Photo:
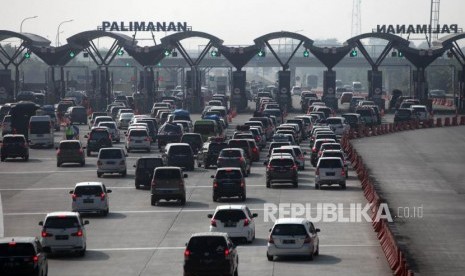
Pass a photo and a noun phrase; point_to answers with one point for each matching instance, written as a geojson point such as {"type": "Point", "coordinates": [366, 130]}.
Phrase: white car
{"type": "Point", "coordinates": [124, 119]}
{"type": "Point", "coordinates": [112, 129]}
{"type": "Point", "coordinates": [299, 155]}
{"type": "Point", "coordinates": [293, 237]}
{"type": "Point", "coordinates": [111, 160]}
{"type": "Point", "coordinates": [236, 220]}
{"type": "Point", "coordinates": [138, 139]}
{"type": "Point", "coordinates": [90, 197]}
{"type": "Point", "coordinates": [422, 112]}
{"type": "Point", "coordinates": [64, 232]}
{"type": "Point", "coordinates": [338, 125]}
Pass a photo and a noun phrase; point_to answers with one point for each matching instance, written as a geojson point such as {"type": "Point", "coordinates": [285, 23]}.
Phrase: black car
{"type": "Point", "coordinates": [22, 256]}
{"type": "Point", "coordinates": [179, 155]}
{"type": "Point", "coordinates": [208, 154]}
{"type": "Point", "coordinates": [99, 137]}
{"type": "Point", "coordinates": [169, 133]}
{"type": "Point", "coordinates": [281, 169]}
{"type": "Point", "coordinates": [210, 254]}
{"type": "Point", "coordinates": [194, 140]}
{"type": "Point", "coordinates": [229, 182]}
{"type": "Point", "coordinates": [144, 170]}
{"type": "Point", "coordinates": [14, 145]}
{"type": "Point", "coordinates": [405, 115]}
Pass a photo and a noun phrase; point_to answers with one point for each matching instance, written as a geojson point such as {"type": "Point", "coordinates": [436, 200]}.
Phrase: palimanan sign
{"type": "Point", "coordinates": [418, 29]}
{"type": "Point", "coordinates": [144, 26]}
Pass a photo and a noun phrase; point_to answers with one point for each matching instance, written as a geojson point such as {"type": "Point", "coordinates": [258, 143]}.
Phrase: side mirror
{"type": "Point", "coordinates": [212, 176]}
{"type": "Point", "coordinates": [41, 223]}
{"type": "Point", "coordinates": [185, 175]}
{"type": "Point", "coordinates": [254, 215]}
{"type": "Point", "coordinates": [210, 215]}
{"type": "Point", "coordinates": [85, 136]}
{"type": "Point", "coordinates": [109, 191]}
{"type": "Point", "coordinates": [265, 163]}
{"type": "Point", "coordinates": [71, 192]}
{"type": "Point", "coordinates": [134, 165]}
{"type": "Point", "coordinates": [269, 230]}
{"type": "Point", "coordinates": [318, 230]}
{"type": "Point", "coordinates": [56, 148]}
{"type": "Point", "coordinates": [126, 155]}
{"type": "Point", "coordinates": [84, 147]}
{"type": "Point", "coordinates": [86, 222]}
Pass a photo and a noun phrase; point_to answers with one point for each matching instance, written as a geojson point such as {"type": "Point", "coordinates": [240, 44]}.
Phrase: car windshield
{"type": "Point", "coordinates": [97, 135]}
{"type": "Point", "coordinates": [18, 249]}
{"type": "Point", "coordinates": [228, 174]}
{"type": "Point", "coordinates": [191, 138]}
{"type": "Point", "coordinates": [61, 222]}
{"type": "Point", "coordinates": [289, 230]}
{"type": "Point", "coordinates": [167, 174]}
{"type": "Point", "coordinates": [238, 144]}
{"type": "Point", "coordinates": [88, 190]}
{"type": "Point", "coordinates": [281, 162]}
{"type": "Point", "coordinates": [350, 118]}
{"type": "Point", "coordinates": [333, 121]}
{"type": "Point", "coordinates": [110, 154]}
{"type": "Point", "coordinates": [333, 154]}
{"type": "Point", "coordinates": [138, 133]}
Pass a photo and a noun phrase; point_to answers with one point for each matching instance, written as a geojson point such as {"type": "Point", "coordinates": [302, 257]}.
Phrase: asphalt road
{"type": "Point", "coordinates": [421, 175]}
{"type": "Point", "coordinates": [139, 239]}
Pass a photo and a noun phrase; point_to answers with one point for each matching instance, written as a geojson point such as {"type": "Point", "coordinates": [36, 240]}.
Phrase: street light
{"type": "Point", "coordinates": [21, 26]}
{"type": "Point", "coordinates": [58, 31]}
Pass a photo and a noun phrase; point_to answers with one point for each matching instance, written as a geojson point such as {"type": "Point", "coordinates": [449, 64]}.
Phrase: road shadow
{"type": "Point", "coordinates": [91, 255]}
{"type": "Point", "coordinates": [317, 260]}
{"type": "Point", "coordinates": [111, 215]}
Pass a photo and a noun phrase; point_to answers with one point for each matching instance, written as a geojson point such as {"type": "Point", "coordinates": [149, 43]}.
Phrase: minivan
{"type": "Point", "coordinates": [41, 131]}
{"type": "Point", "coordinates": [180, 155]}
{"type": "Point", "coordinates": [168, 184]}
{"type": "Point", "coordinates": [144, 170]}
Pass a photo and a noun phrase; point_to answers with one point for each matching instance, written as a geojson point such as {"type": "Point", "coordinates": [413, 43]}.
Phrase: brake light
{"type": "Point", "coordinates": [242, 159]}
{"type": "Point", "coordinates": [270, 240]}
{"type": "Point", "coordinates": [215, 184]}
{"type": "Point", "coordinates": [102, 196]}
{"type": "Point", "coordinates": [307, 239]}
{"type": "Point", "coordinates": [258, 138]}
{"type": "Point", "coordinates": [187, 254]}
{"type": "Point", "coordinates": [343, 172]}
{"type": "Point", "coordinates": [320, 153]}
{"type": "Point", "coordinates": [254, 149]}
{"type": "Point", "coordinates": [81, 151]}
{"type": "Point", "coordinates": [58, 151]}
{"type": "Point", "coordinates": [270, 168]}
{"type": "Point", "coordinates": [314, 149]}
{"type": "Point", "coordinates": [153, 183]}
{"type": "Point", "coordinates": [35, 259]}
{"type": "Point", "coordinates": [317, 172]}
{"type": "Point", "coordinates": [129, 139]}
{"type": "Point", "coordinates": [146, 139]}
{"type": "Point", "coordinates": [242, 184]}
{"type": "Point", "coordinates": [213, 222]}
{"type": "Point", "coordinates": [294, 167]}
{"type": "Point", "coordinates": [77, 234]}
{"type": "Point", "coordinates": [246, 222]}
{"type": "Point", "coordinates": [44, 234]}
{"type": "Point", "coordinates": [99, 163]}
{"type": "Point", "coordinates": [12, 243]}
{"type": "Point", "coordinates": [226, 252]}
{"type": "Point", "coordinates": [74, 196]}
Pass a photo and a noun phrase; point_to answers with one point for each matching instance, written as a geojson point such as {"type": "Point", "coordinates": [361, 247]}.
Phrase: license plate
{"type": "Point", "coordinates": [92, 141]}
{"type": "Point", "coordinates": [61, 237]}
{"type": "Point", "coordinates": [111, 162]}
{"type": "Point", "coordinates": [138, 142]}
{"type": "Point", "coordinates": [288, 241]}
{"type": "Point", "coordinates": [40, 135]}
{"type": "Point", "coordinates": [330, 174]}
{"type": "Point", "coordinates": [230, 224]}
{"type": "Point", "coordinates": [88, 201]}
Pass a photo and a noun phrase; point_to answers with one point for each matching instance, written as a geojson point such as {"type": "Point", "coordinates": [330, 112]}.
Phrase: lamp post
{"type": "Point", "coordinates": [58, 31]}
{"type": "Point", "coordinates": [21, 26]}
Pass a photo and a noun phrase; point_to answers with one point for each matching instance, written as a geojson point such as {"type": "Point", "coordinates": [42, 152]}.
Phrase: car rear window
{"type": "Point", "coordinates": [190, 138]}
{"type": "Point", "coordinates": [151, 163]}
{"type": "Point", "coordinates": [100, 134]}
{"type": "Point", "coordinates": [13, 139]}
{"type": "Point", "coordinates": [171, 128]}
{"type": "Point", "coordinates": [331, 146]}
{"type": "Point", "coordinates": [364, 112]}
{"type": "Point", "coordinates": [179, 150]}
{"type": "Point", "coordinates": [229, 215]}
{"type": "Point", "coordinates": [333, 121]}
{"type": "Point", "coordinates": [108, 125]}
{"type": "Point", "coordinates": [88, 190]}
{"type": "Point", "coordinates": [238, 144]}
{"type": "Point", "coordinates": [167, 174]}
{"type": "Point", "coordinates": [110, 154]}
{"type": "Point", "coordinates": [207, 244]}
{"type": "Point", "coordinates": [228, 174]}
{"type": "Point", "coordinates": [138, 133]}
{"type": "Point", "coordinates": [289, 230]}
{"type": "Point", "coordinates": [333, 154]}
{"type": "Point", "coordinates": [61, 222]}
{"type": "Point", "coordinates": [330, 163]}
{"type": "Point", "coordinates": [403, 112]}
{"type": "Point", "coordinates": [351, 118]}
{"type": "Point", "coordinates": [281, 162]}
{"type": "Point", "coordinates": [42, 127]}
{"type": "Point", "coordinates": [70, 145]}
{"type": "Point", "coordinates": [243, 136]}
{"type": "Point", "coordinates": [230, 153]}
{"type": "Point", "coordinates": [18, 249]}
{"type": "Point", "coordinates": [290, 151]}
{"type": "Point", "coordinates": [79, 111]}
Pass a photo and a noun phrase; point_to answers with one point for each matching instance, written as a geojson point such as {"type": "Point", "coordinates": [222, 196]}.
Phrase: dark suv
{"type": "Point", "coordinates": [14, 145]}
{"type": "Point", "coordinates": [99, 137]}
{"type": "Point", "coordinates": [210, 254]}
{"type": "Point", "coordinates": [144, 170]}
{"type": "Point", "coordinates": [229, 182]}
{"type": "Point", "coordinates": [22, 256]}
{"type": "Point", "coordinates": [405, 115]}
{"type": "Point", "coordinates": [281, 169]}
{"type": "Point", "coordinates": [208, 154]}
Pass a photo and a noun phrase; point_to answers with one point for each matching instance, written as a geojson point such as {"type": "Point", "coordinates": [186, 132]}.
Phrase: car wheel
{"type": "Point", "coordinates": [317, 252]}
{"type": "Point", "coordinates": [26, 157]}
{"type": "Point", "coordinates": [123, 174]}
{"type": "Point", "coordinates": [236, 273]}
{"type": "Point", "coordinates": [137, 186]}
{"type": "Point", "coordinates": [153, 201]}
{"type": "Point", "coordinates": [347, 174]}
{"type": "Point", "coordinates": [295, 184]}
{"type": "Point", "coordinates": [199, 165]}
{"type": "Point", "coordinates": [128, 150]}
{"type": "Point", "coordinates": [206, 166]}
{"type": "Point", "coordinates": [88, 153]}
{"type": "Point", "coordinates": [343, 185]}
{"type": "Point", "coordinates": [148, 149]}
{"type": "Point", "coordinates": [243, 197]}
{"type": "Point", "coordinates": [82, 253]}
{"type": "Point", "coordinates": [183, 201]}
{"type": "Point", "coordinates": [310, 257]}
{"type": "Point", "coordinates": [58, 164]}
{"type": "Point", "coordinates": [83, 163]}
{"type": "Point", "coordinates": [317, 186]}
{"type": "Point", "coordinates": [268, 184]}
{"type": "Point", "coordinates": [248, 172]}
{"type": "Point", "coordinates": [215, 198]}
{"type": "Point", "coordinates": [269, 257]}
{"type": "Point", "coordinates": [118, 141]}
{"type": "Point", "coordinates": [3, 158]}
{"type": "Point", "coordinates": [105, 213]}
{"type": "Point", "coordinates": [99, 175]}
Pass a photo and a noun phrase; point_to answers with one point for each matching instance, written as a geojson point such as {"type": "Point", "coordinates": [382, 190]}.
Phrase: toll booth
{"type": "Point", "coordinates": [238, 90]}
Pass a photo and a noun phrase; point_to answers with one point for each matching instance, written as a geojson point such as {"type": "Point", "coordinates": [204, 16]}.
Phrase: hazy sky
{"type": "Point", "coordinates": [237, 22]}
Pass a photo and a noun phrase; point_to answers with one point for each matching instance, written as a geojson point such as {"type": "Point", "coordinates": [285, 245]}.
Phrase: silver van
{"type": "Point", "coordinates": [41, 131]}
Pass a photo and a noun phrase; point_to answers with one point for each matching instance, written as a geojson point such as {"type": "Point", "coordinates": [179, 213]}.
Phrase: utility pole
{"type": "Point", "coordinates": [356, 18]}
{"type": "Point", "coordinates": [433, 22]}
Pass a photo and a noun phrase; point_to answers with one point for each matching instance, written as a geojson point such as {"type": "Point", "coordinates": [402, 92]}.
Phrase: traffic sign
{"type": "Point", "coordinates": [330, 90]}
{"type": "Point", "coordinates": [237, 91]}
{"type": "Point", "coordinates": [283, 90]}
{"type": "Point", "coordinates": [377, 91]}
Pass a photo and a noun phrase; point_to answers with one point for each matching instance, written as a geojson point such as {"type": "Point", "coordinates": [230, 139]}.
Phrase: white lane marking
{"type": "Point", "coordinates": [2, 228]}
{"type": "Point", "coordinates": [114, 188]}
{"type": "Point", "coordinates": [182, 248]}
{"type": "Point", "coordinates": [41, 172]}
